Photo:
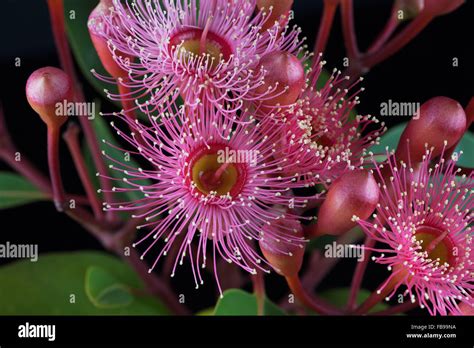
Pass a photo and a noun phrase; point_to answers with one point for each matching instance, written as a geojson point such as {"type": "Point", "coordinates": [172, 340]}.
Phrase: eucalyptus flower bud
{"type": "Point", "coordinates": [96, 27]}
{"type": "Point", "coordinates": [285, 74]}
{"type": "Point", "coordinates": [280, 11]}
{"type": "Point", "coordinates": [45, 88]}
{"type": "Point", "coordinates": [285, 257]}
{"type": "Point", "coordinates": [354, 194]}
{"type": "Point", "coordinates": [440, 123]}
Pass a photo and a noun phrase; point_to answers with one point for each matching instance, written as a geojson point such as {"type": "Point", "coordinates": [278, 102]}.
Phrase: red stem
{"type": "Point", "coordinates": [325, 26]}
{"type": "Point", "coordinates": [56, 8]}
{"type": "Point", "coordinates": [348, 29]}
{"type": "Point", "coordinates": [93, 144]}
{"type": "Point", "coordinates": [258, 282]}
{"type": "Point", "coordinates": [399, 41]}
{"type": "Point", "coordinates": [312, 302]}
{"type": "Point", "coordinates": [8, 153]}
{"type": "Point", "coordinates": [72, 141]}
{"type": "Point", "coordinates": [32, 174]}
{"type": "Point", "coordinates": [375, 298]}
{"type": "Point", "coordinates": [359, 274]}
{"type": "Point", "coordinates": [314, 275]}
{"type": "Point", "coordinates": [26, 169]}
{"type": "Point", "coordinates": [390, 26]}
{"type": "Point", "coordinates": [54, 168]}
{"type": "Point", "coordinates": [100, 230]}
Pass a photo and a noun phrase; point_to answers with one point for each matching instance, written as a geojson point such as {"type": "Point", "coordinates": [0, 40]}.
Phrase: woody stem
{"type": "Point", "coordinates": [330, 7]}
{"type": "Point", "coordinates": [54, 168]}
{"type": "Point", "coordinates": [312, 302]}
{"type": "Point", "coordinates": [72, 141]}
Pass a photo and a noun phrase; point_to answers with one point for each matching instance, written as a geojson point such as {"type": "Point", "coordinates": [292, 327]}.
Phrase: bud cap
{"type": "Point", "coordinates": [44, 89]}
{"type": "Point", "coordinates": [285, 257]}
{"type": "Point", "coordinates": [286, 72]}
{"type": "Point", "coordinates": [354, 194]}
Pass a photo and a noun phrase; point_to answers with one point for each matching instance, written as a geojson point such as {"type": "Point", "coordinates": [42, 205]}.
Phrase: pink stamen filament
{"type": "Point", "coordinates": [203, 42]}
{"type": "Point", "coordinates": [325, 26]}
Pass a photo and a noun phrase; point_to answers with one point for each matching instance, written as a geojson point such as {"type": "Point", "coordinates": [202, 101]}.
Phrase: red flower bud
{"type": "Point", "coordinates": [285, 74]}
{"type": "Point", "coordinates": [440, 120]}
{"type": "Point", "coordinates": [280, 11]}
{"type": "Point", "coordinates": [95, 26]}
{"type": "Point", "coordinates": [441, 7]}
{"type": "Point", "coordinates": [355, 193]}
{"type": "Point", "coordinates": [285, 257]}
{"type": "Point", "coordinates": [44, 89]}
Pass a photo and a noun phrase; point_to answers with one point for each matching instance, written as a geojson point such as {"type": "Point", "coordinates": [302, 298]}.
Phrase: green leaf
{"type": "Point", "coordinates": [389, 139]}
{"type": "Point", "coordinates": [339, 296]}
{"type": "Point", "coordinates": [320, 243]}
{"type": "Point", "coordinates": [205, 312]}
{"type": "Point", "coordinates": [466, 145]}
{"type": "Point", "coordinates": [55, 285]}
{"type": "Point", "coordinates": [239, 302]}
{"type": "Point", "coordinates": [81, 43]}
{"type": "Point", "coordinates": [322, 79]}
{"type": "Point", "coordinates": [15, 190]}
{"type": "Point", "coordinates": [392, 137]}
{"type": "Point", "coordinates": [104, 290]}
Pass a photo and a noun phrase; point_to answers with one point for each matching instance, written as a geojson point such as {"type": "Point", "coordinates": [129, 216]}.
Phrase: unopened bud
{"type": "Point", "coordinates": [96, 27]}
{"type": "Point", "coordinates": [284, 256]}
{"type": "Point", "coordinates": [441, 122]}
{"type": "Point", "coordinates": [285, 74]}
{"type": "Point", "coordinates": [45, 88]}
{"type": "Point", "coordinates": [280, 11]}
{"type": "Point", "coordinates": [354, 194]}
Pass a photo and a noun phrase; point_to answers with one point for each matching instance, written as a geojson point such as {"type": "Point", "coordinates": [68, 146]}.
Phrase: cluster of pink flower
{"type": "Point", "coordinates": [234, 122]}
{"type": "Point", "coordinates": [243, 87]}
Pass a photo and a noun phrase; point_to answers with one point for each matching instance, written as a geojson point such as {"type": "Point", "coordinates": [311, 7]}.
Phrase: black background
{"type": "Point", "coordinates": [422, 70]}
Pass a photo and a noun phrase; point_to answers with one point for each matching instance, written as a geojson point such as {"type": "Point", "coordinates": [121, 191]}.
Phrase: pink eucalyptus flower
{"type": "Point", "coordinates": [214, 185]}
{"type": "Point", "coordinates": [209, 50]}
{"type": "Point", "coordinates": [320, 138]}
{"type": "Point", "coordinates": [424, 223]}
